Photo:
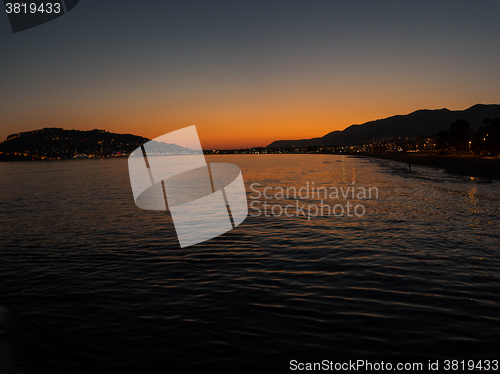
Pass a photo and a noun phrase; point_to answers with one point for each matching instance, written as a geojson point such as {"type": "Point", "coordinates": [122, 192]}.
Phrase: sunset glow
{"type": "Point", "coordinates": [246, 78]}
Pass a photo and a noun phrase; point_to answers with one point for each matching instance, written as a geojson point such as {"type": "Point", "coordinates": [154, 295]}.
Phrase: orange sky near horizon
{"type": "Point", "coordinates": [233, 127]}
{"type": "Point", "coordinates": [241, 111]}
{"type": "Point", "coordinates": [238, 121]}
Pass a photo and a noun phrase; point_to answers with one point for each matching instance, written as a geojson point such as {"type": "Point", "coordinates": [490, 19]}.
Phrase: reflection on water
{"type": "Point", "coordinates": [91, 283]}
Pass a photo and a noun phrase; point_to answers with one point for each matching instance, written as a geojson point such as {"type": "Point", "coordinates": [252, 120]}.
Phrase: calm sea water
{"type": "Point", "coordinates": [89, 283]}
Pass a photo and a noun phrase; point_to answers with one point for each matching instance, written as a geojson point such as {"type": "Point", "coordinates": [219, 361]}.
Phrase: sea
{"type": "Point", "coordinates": [409, 274]}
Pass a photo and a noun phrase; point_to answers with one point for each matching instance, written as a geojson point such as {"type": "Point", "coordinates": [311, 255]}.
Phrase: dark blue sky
{"type": "Point", "coordinates": [246, 72]}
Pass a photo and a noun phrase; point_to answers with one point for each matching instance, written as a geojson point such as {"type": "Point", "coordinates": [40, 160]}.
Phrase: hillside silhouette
{"type": "Point", "coordinates": [57, 143]}
{"type": "Point", "coordinates": [422, 122]}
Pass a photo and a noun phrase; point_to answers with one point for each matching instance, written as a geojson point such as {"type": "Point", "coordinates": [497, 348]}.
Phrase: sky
{"type": "Point", "coordinates": [246, 73]}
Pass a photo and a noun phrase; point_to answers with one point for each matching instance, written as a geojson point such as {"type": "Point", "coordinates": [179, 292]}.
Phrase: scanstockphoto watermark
{"type": "Point", "coordinates": [321, 201]}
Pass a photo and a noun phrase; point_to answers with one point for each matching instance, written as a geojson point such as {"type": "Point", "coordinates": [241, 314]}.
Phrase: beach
{"type": "Point", "coordinates": [473, 166]}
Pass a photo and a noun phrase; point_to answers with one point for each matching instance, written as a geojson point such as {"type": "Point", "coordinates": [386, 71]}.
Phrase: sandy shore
{"type": "Point", "coordinates": [482, 167]}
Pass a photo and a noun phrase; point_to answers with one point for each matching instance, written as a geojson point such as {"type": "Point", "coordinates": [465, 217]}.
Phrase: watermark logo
{"type": "Point", "coordinates": [171, 173]}
{"type": "Point", "coordinates": [310, 200]}
{"type": "Point", "coordinates": [24, 15]}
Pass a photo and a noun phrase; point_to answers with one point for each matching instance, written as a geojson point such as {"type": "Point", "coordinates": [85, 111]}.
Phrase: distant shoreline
{"type": "Point", "coordinates": [14, 158]}
{"type": "Point", "coordinates": [473, 166]}
{"type": "Point", "coordinates": [478, 167]}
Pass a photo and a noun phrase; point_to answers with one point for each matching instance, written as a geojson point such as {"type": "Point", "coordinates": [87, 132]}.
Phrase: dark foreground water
{"type": "Point", "coordinates": [89, 283]}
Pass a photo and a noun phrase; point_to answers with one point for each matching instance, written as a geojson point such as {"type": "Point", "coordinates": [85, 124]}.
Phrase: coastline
{"type": "Point", "coordinates": [473, 166]}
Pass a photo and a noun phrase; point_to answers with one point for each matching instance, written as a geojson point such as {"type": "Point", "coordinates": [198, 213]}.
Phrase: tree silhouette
{"type": "Point", "coordinates": [460, 135]}
{"type": "Point", "coordinates": [488, 136]}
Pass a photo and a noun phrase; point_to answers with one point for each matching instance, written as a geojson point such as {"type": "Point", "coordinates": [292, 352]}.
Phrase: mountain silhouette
{"type": "Point", "coordinates": [57, 143]}
{"type": "Point", "coordinates": [422, 122]}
